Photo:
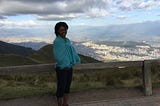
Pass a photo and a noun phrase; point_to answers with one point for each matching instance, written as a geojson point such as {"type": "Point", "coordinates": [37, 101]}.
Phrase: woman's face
{"type": "Point", "coordinates": [62, 32]}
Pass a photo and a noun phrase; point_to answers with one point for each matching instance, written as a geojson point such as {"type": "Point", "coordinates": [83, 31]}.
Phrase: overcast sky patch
{"type": "Point", "coordinates": [58, 9]}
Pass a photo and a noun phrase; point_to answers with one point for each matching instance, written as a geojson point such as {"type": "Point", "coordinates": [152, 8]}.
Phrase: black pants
{"type": "Point", "coordinates": [64, 78]}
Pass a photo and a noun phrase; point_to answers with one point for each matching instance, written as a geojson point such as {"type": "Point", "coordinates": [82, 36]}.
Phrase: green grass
{"type": "Point", "coordinates": [155, 75]}
{"type": "Point", "coordinates": [23, 85]}
{"type": "Point", "coordinates": [22, 91]}
{"type": "Point", "coordinates": [30, 84]}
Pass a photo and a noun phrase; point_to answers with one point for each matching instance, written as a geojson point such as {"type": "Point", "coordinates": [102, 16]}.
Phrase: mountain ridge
{"type": "Point", "coordinates": [8, 48]}
{"type": "Point", "coordinates": [33, 45]}
{"type": "Point", "coordinates": [42, 56]}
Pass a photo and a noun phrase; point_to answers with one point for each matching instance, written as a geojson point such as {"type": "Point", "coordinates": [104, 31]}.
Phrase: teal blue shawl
{"type": "Point", "coordinates": [64, 53]}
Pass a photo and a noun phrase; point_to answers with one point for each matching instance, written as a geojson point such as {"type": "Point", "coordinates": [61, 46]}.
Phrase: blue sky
{"type": "Point", "coordinates": [34, 20]}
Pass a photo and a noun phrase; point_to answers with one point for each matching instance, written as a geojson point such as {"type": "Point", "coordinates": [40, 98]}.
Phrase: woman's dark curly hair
{"type": "Point", "coordinates": [58, 25]}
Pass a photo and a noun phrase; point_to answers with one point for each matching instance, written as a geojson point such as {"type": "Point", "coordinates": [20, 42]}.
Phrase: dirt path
{"type": "Point", "coordinates": [83, 96]}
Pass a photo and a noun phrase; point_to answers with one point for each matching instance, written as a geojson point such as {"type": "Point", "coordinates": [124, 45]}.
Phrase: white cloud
{"type": "Point", "coordinates": [121, 17]}
{"type": "Point", "coordinates": [128, 5]}
{"type": "Point", "coordinates": [58, 17]}
{"type": "Point", "coordinates": [27, 23]}
{"type": "Point", "coordinates": [68, 9]}
{"type": "Point", "coordinates": [96, 12]}
{"type": "Point", "coordinates": [26, 39]}
{"type": "Point", "coordinates": [56, 9]}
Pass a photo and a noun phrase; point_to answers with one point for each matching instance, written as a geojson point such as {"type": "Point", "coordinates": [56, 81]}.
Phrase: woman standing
{"type": "Point", "coordinates": [66, 57]}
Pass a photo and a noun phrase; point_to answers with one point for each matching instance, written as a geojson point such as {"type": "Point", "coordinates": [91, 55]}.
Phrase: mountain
{"type": "Point", "coordinates": [7, 48]}
{"type": "Point", "coordinates": [33, 45]}
{"type": "Point", "coordinates": [45, 55]}
{"type": "Point", "coordinates": [105, 51]}
{"type": "Point", "coordinates": [15, 60]}
{"type": "Point", "coordinates": [42, 56]}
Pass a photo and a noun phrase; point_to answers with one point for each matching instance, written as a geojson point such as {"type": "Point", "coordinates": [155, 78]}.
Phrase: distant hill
{"type": "Point", "coordinates": [7, 48]}
{"type": "Point", "coordinates": [45, 55]}
{"type": "Point", "coordinates": [15, 60]}
{"type": "Point", "coordinates": [33, 45]}
{"type": "Point", "coordinates": [42, 56]}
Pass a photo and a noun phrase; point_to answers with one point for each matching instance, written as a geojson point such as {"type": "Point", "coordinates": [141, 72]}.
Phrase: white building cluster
{"type": "Point", "coordinates": [116, 53]}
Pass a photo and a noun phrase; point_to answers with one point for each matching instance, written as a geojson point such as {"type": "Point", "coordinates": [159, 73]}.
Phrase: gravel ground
{"type": "Point", "coordinates": [77, 97]}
